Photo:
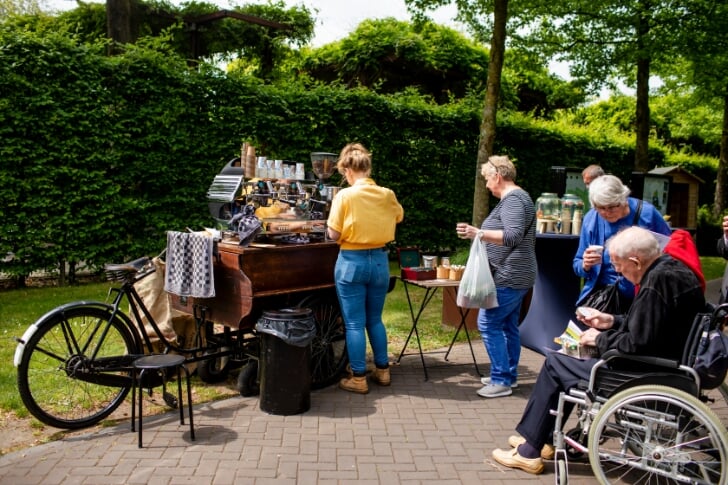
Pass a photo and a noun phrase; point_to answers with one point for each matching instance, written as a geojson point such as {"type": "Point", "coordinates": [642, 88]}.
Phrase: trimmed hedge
{"type": "Point", "coordinates": [101, 156]}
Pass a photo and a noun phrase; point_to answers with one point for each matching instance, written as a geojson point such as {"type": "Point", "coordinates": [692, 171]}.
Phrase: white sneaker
{"type": "Point", "coordinates": [486, 380]}
{"type": "Point", "coordinates": [494, 390]}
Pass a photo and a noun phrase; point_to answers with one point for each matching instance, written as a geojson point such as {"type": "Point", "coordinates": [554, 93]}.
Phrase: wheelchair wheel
{"type": "Point", "coordinates": [657, 434]}
{"type": "Point", "coordinates": [562, 474]}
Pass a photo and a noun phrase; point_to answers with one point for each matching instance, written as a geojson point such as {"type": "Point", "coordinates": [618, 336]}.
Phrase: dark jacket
{"type": "Point", "coordinates": [659, 320]}
{"type": "Point", "coordinates": [723, 251]}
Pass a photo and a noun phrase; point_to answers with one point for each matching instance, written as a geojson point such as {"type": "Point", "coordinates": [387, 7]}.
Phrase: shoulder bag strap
{"type": "Point", "coordinates": [637, 213]}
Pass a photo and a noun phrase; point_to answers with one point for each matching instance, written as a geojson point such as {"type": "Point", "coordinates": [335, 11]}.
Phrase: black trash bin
{"type": "Point", "coordinates": [285, 360]}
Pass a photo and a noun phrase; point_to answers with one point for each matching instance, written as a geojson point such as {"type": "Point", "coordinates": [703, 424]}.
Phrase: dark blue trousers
{"type": "Point", "coordinates": [558, 374]}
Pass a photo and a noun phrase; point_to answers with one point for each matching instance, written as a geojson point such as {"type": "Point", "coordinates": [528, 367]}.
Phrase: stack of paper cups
{"type": "Point", "coordinates": [250, 161]}
{"type": "Point", "coordinates": [576, 224]}
{"type": "Point", "coordinates": [565, 224]}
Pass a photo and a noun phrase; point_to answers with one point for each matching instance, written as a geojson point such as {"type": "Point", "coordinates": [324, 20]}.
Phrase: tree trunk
{"type": "Point", "coordinates": [642, 155]}
{"type": "Point", "coordinates": [21, 281]}
{"type": "Point", "coordinates": [72, 273]}
{"type": "Point", "coordinates": [642, 160]}
{"type": "Point", "coordinates": [488, 123]}
{"type": "Point", "coordinates": [722, 174]}
{"type": "Point", "coordinates": [121, 25]}
{"type": "Point", "coordinates": [62, 272]}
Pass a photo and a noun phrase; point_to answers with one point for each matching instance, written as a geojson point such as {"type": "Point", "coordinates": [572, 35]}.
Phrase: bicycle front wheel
{"type": "Point", "coordinates": [75, 369]}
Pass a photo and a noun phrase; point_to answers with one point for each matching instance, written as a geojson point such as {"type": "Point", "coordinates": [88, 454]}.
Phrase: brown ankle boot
{"type": "Point", "coordinates": [381, 376]}
{"type": "Point", "coordinates": [354, 383]}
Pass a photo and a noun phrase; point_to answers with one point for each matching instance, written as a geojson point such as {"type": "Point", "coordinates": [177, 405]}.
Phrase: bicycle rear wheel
{"type": "Point", "coordinates": [60, 383]}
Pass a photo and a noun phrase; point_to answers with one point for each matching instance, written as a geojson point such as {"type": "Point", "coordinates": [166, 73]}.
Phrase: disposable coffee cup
{"type": "Point", "coordinates": [430, 262]}
{"type": "Point", "coordinates": [597, 248]}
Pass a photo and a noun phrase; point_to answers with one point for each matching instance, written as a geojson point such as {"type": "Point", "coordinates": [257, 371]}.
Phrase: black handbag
{"type": "Point", "coordinates": [606, 299]}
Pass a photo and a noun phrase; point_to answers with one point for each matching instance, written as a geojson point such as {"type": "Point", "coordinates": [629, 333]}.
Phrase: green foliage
{"type": "Point", "coordinates": [530, 87]}
{"type": "Point", "coordinates": [87, 21]}
{"type": "Point", "coordinates": [260, 47]}
{"type": "Point", "coordinates": [102, 155]}
{"type": "Point", "coordinates": [709, 230]}
{"type": "Point", "coordinates": [391, 56]}
{"type": "Point", "coordinates": [686, 122]}
{"type": "Point", "coordinates": [705, 216]}
{"type": "Point", "coordinates": [713, 267]}
{"type": "Point", "coordinates": [705, 36]}
{"type": "Point", "coordinates": [190, 32]}
{"type": "Point", "coordinates": [18, 7]}
{"type": "Point", "coordinates": [679, 122]}
{"type": "Point", "coordinates": [18, 310]}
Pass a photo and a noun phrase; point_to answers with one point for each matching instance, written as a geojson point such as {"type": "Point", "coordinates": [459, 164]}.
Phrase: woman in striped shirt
{"type": "Point", "coordinates": [510, 235]}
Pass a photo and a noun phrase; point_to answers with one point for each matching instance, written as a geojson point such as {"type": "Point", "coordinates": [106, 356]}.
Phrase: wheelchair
{"type": "Point", "coordinates": [647, 426]}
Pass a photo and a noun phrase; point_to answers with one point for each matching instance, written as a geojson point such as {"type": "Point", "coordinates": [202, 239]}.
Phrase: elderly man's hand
{"type": "Point", "coordinates": [589, 337]}
{"type": "Point", "coordinates": [596, 319]}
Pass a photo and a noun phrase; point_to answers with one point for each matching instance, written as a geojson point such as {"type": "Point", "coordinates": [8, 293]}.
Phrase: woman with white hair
{"type": "Point", "coordinates": [612, 210]}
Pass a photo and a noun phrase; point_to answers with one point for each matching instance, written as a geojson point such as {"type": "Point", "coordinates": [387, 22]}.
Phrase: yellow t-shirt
{"type": "Point", "coordinates": [365, 215]}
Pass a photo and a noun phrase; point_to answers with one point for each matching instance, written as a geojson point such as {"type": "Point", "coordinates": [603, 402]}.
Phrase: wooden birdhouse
{"type": "Point", "coordinates": [673, 191]}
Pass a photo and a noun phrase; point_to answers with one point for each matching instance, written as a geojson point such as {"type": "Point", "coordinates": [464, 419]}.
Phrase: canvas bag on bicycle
{"type": "Point", "coordinates": [477, 288]}
{"type": "Point", "coordinates": [177, 327]}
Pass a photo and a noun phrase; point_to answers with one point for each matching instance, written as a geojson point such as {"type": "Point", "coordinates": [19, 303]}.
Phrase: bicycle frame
{"type": "Point", "coordinates": [96, 343]}
{"type": "Point", "coordinates": [139, 308]}
{"type": "Point", "coordinates": [104, 367]}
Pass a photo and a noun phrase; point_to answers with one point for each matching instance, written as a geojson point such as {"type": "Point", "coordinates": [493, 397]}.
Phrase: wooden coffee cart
{"type": "Point", "coordinates": [268, 276]}
{"type": "Point", "coordinates": [290, 264]}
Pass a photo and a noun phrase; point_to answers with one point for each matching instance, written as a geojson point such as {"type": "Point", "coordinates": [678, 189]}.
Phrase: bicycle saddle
{"type": "Point", "coordinates": [121, 272]}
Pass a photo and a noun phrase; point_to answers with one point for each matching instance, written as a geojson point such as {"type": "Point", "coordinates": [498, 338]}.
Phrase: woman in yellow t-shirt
{"type": "Point", "coordinates": [362, 220]}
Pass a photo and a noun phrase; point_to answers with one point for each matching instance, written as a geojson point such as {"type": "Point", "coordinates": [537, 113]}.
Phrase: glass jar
{"type": "Point", "coordinates": [570, 203]}
{"type": "Point", "coordinates": [547, 206]}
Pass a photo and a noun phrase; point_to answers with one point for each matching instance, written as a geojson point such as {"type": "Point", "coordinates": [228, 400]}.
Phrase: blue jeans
{"type": "Point", "coordinates": [362, 279]}
{"type": "Point", "coordinates": [499, 329]}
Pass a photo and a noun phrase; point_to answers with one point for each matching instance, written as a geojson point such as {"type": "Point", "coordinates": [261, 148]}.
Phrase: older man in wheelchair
{"type": "Point", "coordinates": [638, 409]}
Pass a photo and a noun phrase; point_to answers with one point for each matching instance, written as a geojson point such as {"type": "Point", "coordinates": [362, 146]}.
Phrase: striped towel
{"type": "Point", "coordinates": [189, 264]}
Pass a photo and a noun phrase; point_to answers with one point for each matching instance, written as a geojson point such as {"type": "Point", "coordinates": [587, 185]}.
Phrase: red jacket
{"type": "Point", "coordinates": [682, 247]}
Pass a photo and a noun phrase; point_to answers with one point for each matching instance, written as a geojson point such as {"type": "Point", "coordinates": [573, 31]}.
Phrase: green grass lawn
{"type": "Point", "coordinates": [20, 308]}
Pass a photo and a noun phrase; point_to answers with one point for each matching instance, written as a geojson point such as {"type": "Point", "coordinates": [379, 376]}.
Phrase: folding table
{"type": "Point", "coordinates": [431, 287]}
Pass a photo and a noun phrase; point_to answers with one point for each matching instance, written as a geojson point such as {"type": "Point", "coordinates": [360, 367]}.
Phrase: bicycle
{"type": "Point", "coordinates": [75, 362]}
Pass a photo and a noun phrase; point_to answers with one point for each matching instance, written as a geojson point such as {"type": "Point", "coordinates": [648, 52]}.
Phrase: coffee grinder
{"type": "Point", "coordinates": [323, 165]}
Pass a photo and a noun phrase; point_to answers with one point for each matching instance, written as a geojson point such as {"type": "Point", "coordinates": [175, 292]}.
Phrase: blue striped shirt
{"type": "Point", "coordinates": [514, 263]}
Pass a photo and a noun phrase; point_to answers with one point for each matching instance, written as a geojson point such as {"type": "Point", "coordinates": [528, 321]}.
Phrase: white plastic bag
{"type": "Point", "coordinates": [477, 288]}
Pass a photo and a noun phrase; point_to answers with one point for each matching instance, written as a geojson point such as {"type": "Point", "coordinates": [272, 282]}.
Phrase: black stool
{"type": "Point", "coordinates": [159, 363]}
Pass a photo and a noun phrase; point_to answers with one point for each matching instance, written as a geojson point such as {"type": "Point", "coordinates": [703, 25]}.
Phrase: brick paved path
{"type": "Point", "coordinates": [414, 432]}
